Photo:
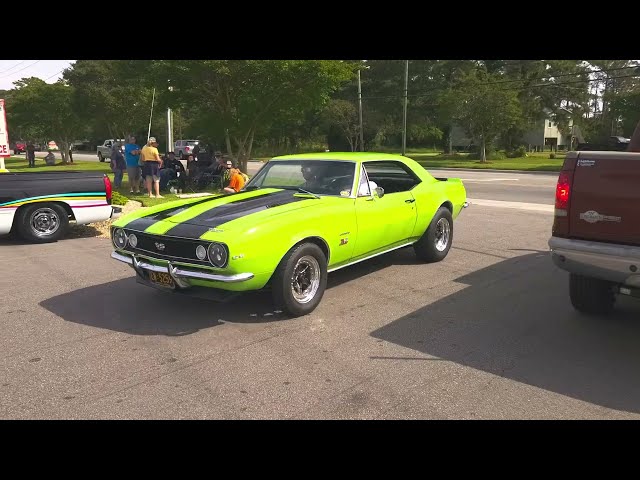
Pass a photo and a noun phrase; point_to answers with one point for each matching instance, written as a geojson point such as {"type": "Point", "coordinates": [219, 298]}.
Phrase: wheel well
{"type": "Point", "coordinates": [316, 240]}
{"type": "Point", "coordinates": [448, 205]}
{"type": "Point", "coordinates": [66, 207]}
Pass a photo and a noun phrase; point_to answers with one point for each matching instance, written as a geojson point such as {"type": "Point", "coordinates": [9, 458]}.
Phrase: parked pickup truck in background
{"type": "Point", "coordinates": [104, 150]}
{"type": "Point", "coordinates": [39, 206]}
{"type": "Point", "coordinates": [596, 229]}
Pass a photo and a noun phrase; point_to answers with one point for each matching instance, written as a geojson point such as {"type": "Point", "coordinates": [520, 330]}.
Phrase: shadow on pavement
{"type": "Point", "coordinates": [124, 305]}
{"type": "Point", "coordinates": [515, 320]}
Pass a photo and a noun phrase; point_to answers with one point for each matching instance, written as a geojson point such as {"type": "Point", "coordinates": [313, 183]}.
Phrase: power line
{"type": "Point", "coordinates": [55, 74]}
{"type": "Point", "coordinates": [17, 71]}
{"type": "Point", "coordinates": [523, 88]}
{"type": "Point", "coordinates": [11, 68]}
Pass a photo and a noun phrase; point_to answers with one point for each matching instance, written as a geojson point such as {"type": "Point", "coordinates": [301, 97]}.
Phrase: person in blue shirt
{"type": "Point", "coordinates": [132, 157]}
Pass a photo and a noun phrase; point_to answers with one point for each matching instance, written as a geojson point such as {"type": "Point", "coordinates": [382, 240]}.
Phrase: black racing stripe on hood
{"type": "Point", "coordinates": [219, 215]}
{"type": "Point", "coordinates": [142, 223]}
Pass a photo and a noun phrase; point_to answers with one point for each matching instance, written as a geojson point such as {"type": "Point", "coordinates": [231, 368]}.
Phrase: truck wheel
{"type": "Point", "coordinates": [591, 295]}
{"type": "Point", "coordinates": [435, 243]}
{"type": "Point", "coordinates": [100, 157]}
{"type": "Point", "coordinates": [181, 156]}
{"type": "Point", "coordinates": [42, 222]}
{"type": "Point", "coordinates": [300, 280]}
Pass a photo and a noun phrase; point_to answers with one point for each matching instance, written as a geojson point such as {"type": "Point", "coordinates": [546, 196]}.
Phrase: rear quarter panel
{"type": "Point", "coordinates": [431, 194]}
{"type": "Point", "coordinates": [82, 195]}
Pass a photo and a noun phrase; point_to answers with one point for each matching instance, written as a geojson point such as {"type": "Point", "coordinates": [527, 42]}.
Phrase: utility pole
{"type": "Point", "coordinates": [170, 146]}
{"type": "Point", "coordinates": [360, 112]}
{"type": "Point", "coordinates": [406, 99]}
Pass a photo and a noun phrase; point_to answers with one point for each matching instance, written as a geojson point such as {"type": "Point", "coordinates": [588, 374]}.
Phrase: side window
{"type": "Point", "coordinates": [107, 144]}
{"type": "Point", "coordinates": [392, 176]}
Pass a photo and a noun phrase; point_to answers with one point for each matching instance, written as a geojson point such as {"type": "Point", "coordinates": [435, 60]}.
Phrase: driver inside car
{"type": "Point", "coordinates": [313, 176]}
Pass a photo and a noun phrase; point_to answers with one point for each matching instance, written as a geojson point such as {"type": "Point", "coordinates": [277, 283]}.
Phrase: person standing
{"type": "Point", "coordinates": [151, 163]}
{"type": "Point", "coordinates": [118, 164]}
{"type": "Point", "coordinates": [31, 154]}
{"type": "Point", "coordinates": [132, 158]}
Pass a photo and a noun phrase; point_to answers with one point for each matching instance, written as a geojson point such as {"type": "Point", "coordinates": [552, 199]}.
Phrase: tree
{"type": "Point", "coordinates": [244, 98]}
{"type": "Point", "coordinates": [343, 115]}
{"type": "Point", "coordinates": [112, 95]}
{"type": "Point", "coordinates": [483, 108]}
{"type": "Point", "coordinates": [45, 110]}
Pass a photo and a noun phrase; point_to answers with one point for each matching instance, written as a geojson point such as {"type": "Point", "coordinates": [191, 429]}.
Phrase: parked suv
{"type": "Point", "coordinates": [184, 148]}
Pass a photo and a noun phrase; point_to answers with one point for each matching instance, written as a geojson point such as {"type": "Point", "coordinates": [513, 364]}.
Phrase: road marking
{"type": "Point", "coordinates": [536, 207]}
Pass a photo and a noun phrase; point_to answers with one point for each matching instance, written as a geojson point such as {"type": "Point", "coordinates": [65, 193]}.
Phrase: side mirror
{"type": "Point", "coordinates": [378, 192]}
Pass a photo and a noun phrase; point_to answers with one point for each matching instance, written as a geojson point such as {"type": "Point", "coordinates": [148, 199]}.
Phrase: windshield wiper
{"type": "Point", "coordinates": [299, 189]}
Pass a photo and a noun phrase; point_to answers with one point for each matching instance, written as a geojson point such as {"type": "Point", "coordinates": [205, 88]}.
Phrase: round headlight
{"type": "Point", "coordinates": [133, 240]}
{"type": "Point", "coordinates": [120, 238]}
{"type": "Point", "coordinates": [201, 252]}
{"type": "Point", "coordinates": [217, 254]}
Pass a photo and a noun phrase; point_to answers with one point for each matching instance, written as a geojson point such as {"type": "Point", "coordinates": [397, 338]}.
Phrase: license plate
{"type": "Point", "coordinates": [162, 279]}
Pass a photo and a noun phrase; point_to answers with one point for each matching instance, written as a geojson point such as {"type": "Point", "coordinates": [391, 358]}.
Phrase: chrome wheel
{"type": "Point", "coordinates": [44, 222]}
{"type": "Point", "coordinates": [443, 233]}
{"type": "Point", "coordinates": [305, 279]}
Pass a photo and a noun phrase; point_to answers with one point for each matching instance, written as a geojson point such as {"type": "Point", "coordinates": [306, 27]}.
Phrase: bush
{"type": "Point", "coordinates": [552, 155]}
{"type": "Point", "coordinates": [517, 153]}
{"type": "Point", "coordinates": [118, 199]}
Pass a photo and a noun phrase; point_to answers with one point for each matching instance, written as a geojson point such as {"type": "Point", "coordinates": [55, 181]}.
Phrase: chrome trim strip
{"type": "Point", "coordinates": [179, 274]}
{"type": "Point", "coordinates": [370, 256]}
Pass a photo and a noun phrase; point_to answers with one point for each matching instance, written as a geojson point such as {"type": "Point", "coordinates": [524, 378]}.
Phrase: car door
{"type": "Point", "coordinates": [387, 221]}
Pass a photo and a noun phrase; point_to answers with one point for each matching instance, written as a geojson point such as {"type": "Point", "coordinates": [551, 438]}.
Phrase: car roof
{"type": "Point", "coordinates": [348, 156]}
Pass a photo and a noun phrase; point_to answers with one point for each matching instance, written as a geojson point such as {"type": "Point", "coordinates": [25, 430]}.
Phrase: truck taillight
{"type": "Point", "coordinates": [107, 188]}
{"type": "Point", "coordinates": [563, 193]}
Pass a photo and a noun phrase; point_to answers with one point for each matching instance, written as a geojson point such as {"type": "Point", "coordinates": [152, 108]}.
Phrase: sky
{"type": "Point", "coordinates": [47, 70]}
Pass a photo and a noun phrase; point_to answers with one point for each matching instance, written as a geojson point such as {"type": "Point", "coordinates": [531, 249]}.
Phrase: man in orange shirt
{"type": "Point", "coordinates": [236, 183]}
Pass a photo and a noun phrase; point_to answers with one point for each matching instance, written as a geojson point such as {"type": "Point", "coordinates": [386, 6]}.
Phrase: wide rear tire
{"type": "Point", "coordinates": [591, 295]}
{"type": "Point", "coordinates": [436, 241]}
{"type": "Point", "coordinates": [42, 222]}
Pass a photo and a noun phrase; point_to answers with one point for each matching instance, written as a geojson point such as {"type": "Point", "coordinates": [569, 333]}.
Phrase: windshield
{"type": "Point", "coordinates": [316, 176]}
{"type": "Point", "coordinates": [191, 143]}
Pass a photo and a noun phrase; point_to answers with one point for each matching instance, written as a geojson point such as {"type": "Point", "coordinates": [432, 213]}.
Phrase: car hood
{"type": "Point", "coordinates": [194, 219]}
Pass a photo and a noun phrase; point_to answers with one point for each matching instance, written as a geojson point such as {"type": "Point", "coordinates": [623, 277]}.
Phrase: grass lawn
{"type": "Point", "coordinates": [535, 162]}
{"type": "Point", "coordinates": [429, 158]}
{"type": "Point", "coordinates": [20, 164]}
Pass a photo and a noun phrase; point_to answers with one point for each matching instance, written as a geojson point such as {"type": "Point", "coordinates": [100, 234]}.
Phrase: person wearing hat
{"type": "Point", "coordinates": [151, 163]}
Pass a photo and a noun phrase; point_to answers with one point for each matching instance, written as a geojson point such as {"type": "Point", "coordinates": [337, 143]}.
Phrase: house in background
{"type": "Point", "coordinates": [541, 135]}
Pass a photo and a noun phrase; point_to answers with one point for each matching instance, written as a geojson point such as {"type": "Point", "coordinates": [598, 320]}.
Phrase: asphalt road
{"type": "Point", "coordinates": [488, 333]}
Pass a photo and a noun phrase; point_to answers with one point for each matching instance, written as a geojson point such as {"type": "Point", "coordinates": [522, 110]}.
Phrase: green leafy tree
{"type": "Point", "coordinates": [245, 98]}
{"type": "Point", "coordinates": [483, 108]}
{"type": "Point", "coordinates": [45, 110]}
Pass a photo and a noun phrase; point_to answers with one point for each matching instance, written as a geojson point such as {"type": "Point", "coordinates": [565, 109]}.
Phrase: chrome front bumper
{"type": "Point", "coordinates": [615, 263]}
{"type": "Point", "coordinates": [180, 275]}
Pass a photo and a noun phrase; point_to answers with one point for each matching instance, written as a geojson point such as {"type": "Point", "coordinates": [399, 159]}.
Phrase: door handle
{"type": "Point", "coordinates": [410, 201]}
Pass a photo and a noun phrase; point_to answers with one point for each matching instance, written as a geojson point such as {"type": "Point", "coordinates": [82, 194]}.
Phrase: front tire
{"type": "Point", "coordinates": [42, 222]}
{"type": "Point", "coordinates": [591, 295]}
{"type": "Point", "coordinates": [300, 280]}
{"type": "Point", "coordinates": [435, 243]}
{"type": "Point", "coordinates": [100, 157]}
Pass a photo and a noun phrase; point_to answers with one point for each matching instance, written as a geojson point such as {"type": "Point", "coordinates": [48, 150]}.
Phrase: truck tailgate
{"type": "Point", "coordinates": [605, 198]}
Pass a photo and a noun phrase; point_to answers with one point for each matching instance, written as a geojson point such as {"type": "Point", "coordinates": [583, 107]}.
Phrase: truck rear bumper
{"type": "Point", "coordinates": [615, 263]}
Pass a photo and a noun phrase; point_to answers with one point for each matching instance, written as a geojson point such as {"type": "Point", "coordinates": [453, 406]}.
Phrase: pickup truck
{"type": "Point", "coordinates": [39, 206]}
{"type": "Point", "coordinates": [104, 150]}
{"type": "Point", "coordinates": [596, 229]}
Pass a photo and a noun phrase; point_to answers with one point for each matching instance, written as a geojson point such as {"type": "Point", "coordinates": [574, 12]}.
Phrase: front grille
{"type": "Point", "coordinates": [178, 249]}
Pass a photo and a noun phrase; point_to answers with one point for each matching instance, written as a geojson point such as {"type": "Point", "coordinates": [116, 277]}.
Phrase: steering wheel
{"type": "Point", "coordinates": [337, 185]}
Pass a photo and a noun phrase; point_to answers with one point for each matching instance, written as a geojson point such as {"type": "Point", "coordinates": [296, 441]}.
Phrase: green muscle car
{"type": "Point", "coordinates": [299, 218]}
